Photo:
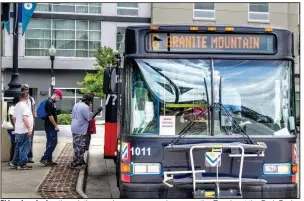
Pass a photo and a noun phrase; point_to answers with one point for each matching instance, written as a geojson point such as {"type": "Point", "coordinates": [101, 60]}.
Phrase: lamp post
{"type": "Point", "coordinates": [14, 84]}
{"type": "Point", "coordinates": [52, 53]}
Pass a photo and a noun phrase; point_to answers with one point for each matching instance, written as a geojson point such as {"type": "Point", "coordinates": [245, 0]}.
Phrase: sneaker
{"type": "Point", "coordinates": [45, 162]}
{"type": "Point", "coordinates": [12, 165]}
{"type": "Point", "coordinates": [75, 167]}
{"type": "Point", "coordinates": [78, 167]}
{"type": "Point", "coordinates": [30, 161]}
{"type": "Point", "coordinates": [52, 163]}
{"type": "Point", "coordinates": [84, 165]}
{"type": "Point", "coordinates": [24, 167]}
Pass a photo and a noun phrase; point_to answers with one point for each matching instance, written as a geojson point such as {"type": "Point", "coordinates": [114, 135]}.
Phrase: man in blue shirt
{"type": "Point", "coordinates": [81, 115]}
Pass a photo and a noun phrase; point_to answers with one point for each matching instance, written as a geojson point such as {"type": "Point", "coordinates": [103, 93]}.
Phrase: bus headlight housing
{"type": "Point", "coordinates": [277, 169]}
{"type": "Point", "coordinates": [146, 168]}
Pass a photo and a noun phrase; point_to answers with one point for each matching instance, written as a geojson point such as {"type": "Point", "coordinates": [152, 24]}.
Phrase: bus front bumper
{"type": "Point", "coordinates": [146, 190]}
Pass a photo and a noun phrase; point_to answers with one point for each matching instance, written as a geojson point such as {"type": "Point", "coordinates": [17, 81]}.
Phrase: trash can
{"type": "Point", "coordinates": [5, 139]}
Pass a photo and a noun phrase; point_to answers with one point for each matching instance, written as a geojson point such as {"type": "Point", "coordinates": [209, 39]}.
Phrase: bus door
{"type": "Point", "coordinates": [109, 89]}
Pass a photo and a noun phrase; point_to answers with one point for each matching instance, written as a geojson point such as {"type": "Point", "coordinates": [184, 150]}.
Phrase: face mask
{"type": "Point", "coordinates": [57, 99]}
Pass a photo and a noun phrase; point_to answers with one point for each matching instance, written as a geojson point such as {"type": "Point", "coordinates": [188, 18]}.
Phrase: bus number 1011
{"type": "Point", "coordinates": [141, 151]}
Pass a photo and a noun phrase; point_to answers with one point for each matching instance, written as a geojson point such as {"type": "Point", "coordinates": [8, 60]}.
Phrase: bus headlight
{"type": "Point", "coordinates": [277, 168]}
{"type": "Point", "coordinates": [146, 168]}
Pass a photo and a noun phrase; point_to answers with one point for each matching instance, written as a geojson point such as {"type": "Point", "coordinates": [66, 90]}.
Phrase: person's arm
{"type": "Point", "coordinates": [11, 115]}
{"type": "Point", "coordinates": [12, 120]}
{"type": "Point", "coordinates": [48, 109]}
{"type": "Point", "coordinates": [52, 120]}
{"type": "Point", "coordinates": [25, 113]}
{"type": "Point", "coordinates": [86, 113]}
{"type": "Point", "coordinates": [97, 112]}
{"type": "Point", "coordinates": [27, 124]}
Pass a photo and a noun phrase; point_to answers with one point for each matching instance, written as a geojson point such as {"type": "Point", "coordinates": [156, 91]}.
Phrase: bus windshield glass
{"type": "Point", "coordinates": [172, 96]}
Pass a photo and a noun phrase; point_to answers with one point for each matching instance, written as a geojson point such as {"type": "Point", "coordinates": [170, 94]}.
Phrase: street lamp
{"type": "Point", "coordinates": [52, 53]}
{"type": "Point", "coordinates": [14, 84]}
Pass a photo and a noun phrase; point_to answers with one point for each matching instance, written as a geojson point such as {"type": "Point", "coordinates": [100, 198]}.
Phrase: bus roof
{"type": "Point", "coordinates": [186, 27]}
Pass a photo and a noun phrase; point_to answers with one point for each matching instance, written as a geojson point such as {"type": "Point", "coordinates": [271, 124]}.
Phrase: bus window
{"type": "Point", "coordinates": [159, 92]}
{"type": "Point", "coordinates": [177, 90]}
{"type": "Point", "coordinates": [254, 93]}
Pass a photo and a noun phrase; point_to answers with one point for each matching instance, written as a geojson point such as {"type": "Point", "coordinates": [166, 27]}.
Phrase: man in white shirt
{"type": "Point", "coordinates": [31, 104]}
{"type": "Point", "coordinates": [24, 122]}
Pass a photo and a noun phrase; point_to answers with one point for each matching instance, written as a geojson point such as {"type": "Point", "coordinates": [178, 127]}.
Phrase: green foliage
{"type": "Point", "coordinates": [64, 119]}
{"type": "Point", "coordinates": [298, 121]}
{"type": "Point", "coordinates": [93, 82]}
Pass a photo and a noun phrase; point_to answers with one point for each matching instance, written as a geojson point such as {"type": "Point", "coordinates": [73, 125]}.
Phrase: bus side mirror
{"type": "Point", "coordinates": [292, 125]}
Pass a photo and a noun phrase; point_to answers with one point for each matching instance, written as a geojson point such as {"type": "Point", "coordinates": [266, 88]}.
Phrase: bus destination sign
{"type": "Point", "coordinates": [211, 43]}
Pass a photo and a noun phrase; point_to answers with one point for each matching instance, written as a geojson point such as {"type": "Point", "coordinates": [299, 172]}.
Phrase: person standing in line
{"type": "Point", "coordinates": [31, 104]}
{"type": "Point", "coordinates": [11, 132]}
{"type": "Point", "coordinates": [51, 128]}
{"type": "Point", "coordinates": [24, 122]}
{"type": "Point", "coordinates": [81, 115]}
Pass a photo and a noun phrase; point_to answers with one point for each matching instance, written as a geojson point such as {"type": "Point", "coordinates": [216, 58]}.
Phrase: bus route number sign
{"type": "Point", "coordinates": [211, 43]}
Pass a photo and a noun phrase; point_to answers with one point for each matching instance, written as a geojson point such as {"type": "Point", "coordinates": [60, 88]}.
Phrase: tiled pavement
{"type": "Point", "coordinates": [60, 182]}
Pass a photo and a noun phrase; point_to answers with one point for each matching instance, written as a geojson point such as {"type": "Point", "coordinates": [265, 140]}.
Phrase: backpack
{"type": "Point", "coordinates": [41, 113]}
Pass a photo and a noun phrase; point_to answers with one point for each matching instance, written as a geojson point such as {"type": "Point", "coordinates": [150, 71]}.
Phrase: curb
{"type": "Point", "coordinates": [81, 179]}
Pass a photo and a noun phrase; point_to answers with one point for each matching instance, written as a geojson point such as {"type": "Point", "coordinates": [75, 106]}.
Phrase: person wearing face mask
{"type": "Point", "coordinates": [51, 127]}
{"type": "Point", "coordinates": [81, 115]}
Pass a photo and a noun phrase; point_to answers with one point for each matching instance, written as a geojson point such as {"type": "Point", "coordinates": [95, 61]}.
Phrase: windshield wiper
{"type": "Point", "coordinates": [226, 112]}
{"type": "Point", "coordinates": [235, 124]}
{"type": "Point", "coordinates": [184, 131]}
{"type": "Point", "coordinates": [193, 122]}
{"type": "Point", "coordinates": [231, 118]}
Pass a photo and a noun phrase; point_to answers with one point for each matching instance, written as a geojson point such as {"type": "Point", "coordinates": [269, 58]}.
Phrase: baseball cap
{"type": "Point", "coordinates": [59, 93]}
{"type": "Point", "coordinates": [24, 87]}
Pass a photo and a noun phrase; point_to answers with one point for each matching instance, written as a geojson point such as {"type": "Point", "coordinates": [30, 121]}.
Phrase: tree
{"type": "Point", "coordinates": [93, 82]}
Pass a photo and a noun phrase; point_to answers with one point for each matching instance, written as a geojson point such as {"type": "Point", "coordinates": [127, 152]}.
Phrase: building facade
{"type": "Point", "coordinates": [275, 15]}
{"type": "Point", "coordinates": [76, 30]}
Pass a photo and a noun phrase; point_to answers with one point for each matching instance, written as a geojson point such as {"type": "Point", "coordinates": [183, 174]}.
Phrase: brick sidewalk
{"type": "Point", "coordinates": [60, 182]}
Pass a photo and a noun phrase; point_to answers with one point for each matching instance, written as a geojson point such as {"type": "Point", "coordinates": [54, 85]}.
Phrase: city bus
{"type": "Point", "coordinates": [206, 112]}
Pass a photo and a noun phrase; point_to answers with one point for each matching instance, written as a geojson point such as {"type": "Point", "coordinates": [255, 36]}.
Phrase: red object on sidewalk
{"type": "Point", "coordinates": [92, 127]}
{"type": "Point", "coordinates": [110, 139]}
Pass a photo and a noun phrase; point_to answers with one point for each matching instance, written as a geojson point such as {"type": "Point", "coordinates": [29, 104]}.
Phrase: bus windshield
{"type": "Point", "coordinates": [172, 96]}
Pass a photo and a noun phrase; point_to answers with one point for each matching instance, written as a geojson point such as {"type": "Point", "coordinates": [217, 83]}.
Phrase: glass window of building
{"type": "Point", "coordinates": [204, 10]}
{"type": "Point", "coordinates": [127, 9]}
{"type": "Point", "coordinates": [38, 37]}
{"type": "Point", "coordinates": [120, 39]}
{"type": "Point", "coordinates": [258, 12]}
{"type": "Point", "coordinates": [79, 8]}
{"type": "Point", "coordinates": [71, 38]}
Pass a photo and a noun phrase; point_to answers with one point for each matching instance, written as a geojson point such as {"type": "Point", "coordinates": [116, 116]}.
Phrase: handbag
{"type": "Point", "coordinates": [92, 127]}
{"type": "Point", "coordinates": [7, 125]}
